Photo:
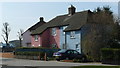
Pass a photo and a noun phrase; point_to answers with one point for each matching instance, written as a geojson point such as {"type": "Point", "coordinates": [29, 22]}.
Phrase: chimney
{"type": "Point", "coordinates": [71, 10]}
{"type": "Point", "coordinates": [41, 19]}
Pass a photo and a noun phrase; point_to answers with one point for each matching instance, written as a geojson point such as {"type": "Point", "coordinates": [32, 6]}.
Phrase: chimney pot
{"type": "Point", "coordinates": [41, 19]}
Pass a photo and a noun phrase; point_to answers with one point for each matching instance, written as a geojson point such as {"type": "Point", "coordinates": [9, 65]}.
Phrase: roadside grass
{"type": "Point", "coordinates": [93, 66]}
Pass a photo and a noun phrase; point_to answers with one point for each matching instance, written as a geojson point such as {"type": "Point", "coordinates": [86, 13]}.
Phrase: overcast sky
{"type": "Point", "coordinates": [22, 15]}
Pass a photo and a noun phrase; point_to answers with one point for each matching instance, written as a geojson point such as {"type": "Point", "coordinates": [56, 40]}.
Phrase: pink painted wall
{"type": "Point", "coordinates": [45, 38]}
{"type": "Point", "coordinates": [35, 43]}
{"type": "Point", "coordinates": [55, 39]}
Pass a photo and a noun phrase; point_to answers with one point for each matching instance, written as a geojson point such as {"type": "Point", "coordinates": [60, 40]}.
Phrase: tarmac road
{"type": "Point", "coordinates": [22, 63]}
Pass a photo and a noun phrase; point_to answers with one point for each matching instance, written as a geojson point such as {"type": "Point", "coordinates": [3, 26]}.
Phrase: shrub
{"type": "Point", "coordinates": [110, 55]}
{"type": "Point", "coordinates": [107, 53]}
{"type": "Point", "coordinates": [35, 51]}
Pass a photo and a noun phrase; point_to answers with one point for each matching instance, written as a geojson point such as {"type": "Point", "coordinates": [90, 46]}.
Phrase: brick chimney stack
{"type": "Point", "coordinates": [41, 19]}
{"type": "Point", "coordinates": [71, 10]}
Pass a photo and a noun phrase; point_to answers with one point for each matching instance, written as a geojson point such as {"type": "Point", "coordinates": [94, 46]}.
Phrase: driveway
{"type": "Point", "coordinates": [37, 63]}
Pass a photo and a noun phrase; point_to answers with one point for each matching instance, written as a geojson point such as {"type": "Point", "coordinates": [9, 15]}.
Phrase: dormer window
{"type": "Point", "coordinates": [54, 32]}
{"type": "Point", "coordinates": [36, 37]}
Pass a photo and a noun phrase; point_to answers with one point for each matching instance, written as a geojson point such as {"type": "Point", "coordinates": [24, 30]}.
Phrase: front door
{"type": "Point", "coordinates": [78, 48]}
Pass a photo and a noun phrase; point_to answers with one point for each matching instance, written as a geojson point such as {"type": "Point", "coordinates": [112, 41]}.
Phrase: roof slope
{"type": "Point", "coordinates": [74, 22]}
{"type": "Point", "coordinates": [38, 24]}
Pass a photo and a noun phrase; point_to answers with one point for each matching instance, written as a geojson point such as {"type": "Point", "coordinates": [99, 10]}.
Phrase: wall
{"type": "Point", "coordinates": [26, 39]}
{"type": "Point", "coordinates": [55, 39]}
{"type": "Point", "coordinates": [72, 42]}
{"type": "Point", "coordinates": [36, 43]}
{"type": "Point", "coordinates": [45, 38]}
{"type": "Point", "coordinates": [62, 38]}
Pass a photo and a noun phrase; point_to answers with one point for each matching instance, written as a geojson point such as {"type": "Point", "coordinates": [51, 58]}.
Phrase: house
{"type": "Point", "coordinates": [27, 34]}
{"type": "Point", "coordinates": [15, 43]}
{"type": "Point", "coordinates": [63, 31]}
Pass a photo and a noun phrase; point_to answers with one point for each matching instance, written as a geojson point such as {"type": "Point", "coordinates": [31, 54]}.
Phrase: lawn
{"type": "Point", "coordinates": [96, 67]}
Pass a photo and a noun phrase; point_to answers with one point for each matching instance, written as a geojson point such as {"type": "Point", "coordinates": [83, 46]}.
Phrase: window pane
{"type": "Point", "coordinates": [72, 34]}
{"type": "Point", "coordinates": [36, 37]}
{"type": "Point", "coordinates": [53, 31]}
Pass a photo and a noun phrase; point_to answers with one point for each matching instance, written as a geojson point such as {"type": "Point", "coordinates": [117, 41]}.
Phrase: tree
{"type": "Point", "coordinates": [98, 33]}
{"type": "Point", "coordinates": [5, 33]}
{"type": "Point", "coordinates": [114, 42]}
{"type": "Point", "coordinates": [20, 32]}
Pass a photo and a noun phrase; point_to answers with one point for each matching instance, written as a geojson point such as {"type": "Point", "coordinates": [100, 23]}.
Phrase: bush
{"type": "Point", "coordinates": [35, 51]}
{"type": "Point", "coordinates": [107, 53]}
{"type": "Point", "coordinates": [110, 55]}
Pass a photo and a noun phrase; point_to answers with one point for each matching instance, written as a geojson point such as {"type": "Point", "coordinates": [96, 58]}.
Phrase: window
{"type": "Point", "coordinates": [72, 34]}
{"type": "Point", "coordinates": [53, 31]}
{"type": "Point", "coordinates": [36, 37]}
{"type": "Point", "coordinates": [75, 52]}
{"type": "Point", "coordinates": [54, 46]}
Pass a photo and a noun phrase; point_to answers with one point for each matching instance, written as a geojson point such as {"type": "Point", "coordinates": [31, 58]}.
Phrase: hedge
{"type": "Point", "coordinates": [110, 55]}
{"type": "Point", "coordinates": [35, 51]}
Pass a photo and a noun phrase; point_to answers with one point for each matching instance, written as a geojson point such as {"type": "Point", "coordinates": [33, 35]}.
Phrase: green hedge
{"type": "Point", "coordinates": [110, 55]}
{"type": "Point", "coordinates": [35, 51]}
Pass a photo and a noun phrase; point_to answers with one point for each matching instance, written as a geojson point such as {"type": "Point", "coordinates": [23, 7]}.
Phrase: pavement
{"type": "Point", "coordinates": [23, 63]}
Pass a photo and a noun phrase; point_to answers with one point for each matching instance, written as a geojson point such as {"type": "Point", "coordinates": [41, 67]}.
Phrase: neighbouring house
{"type": "Point", "coordinates": [26, 42]}
{"type": "Point", "coordinates": [85, 31]}
{"type": "Point", "coordinates": [15, 43]}
{"type": "Point", "coordinates": [82, 31]}
{"type": "Point", "coordinates": [63, 31]}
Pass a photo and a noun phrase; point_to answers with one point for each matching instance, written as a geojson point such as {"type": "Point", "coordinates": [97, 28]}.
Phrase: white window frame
{"type": "Point", "coordinates": [36, 37]}
{"type": "Point", "coordinates": [54, 32]}
{"type": "Point", "coordinates": [72, 34]}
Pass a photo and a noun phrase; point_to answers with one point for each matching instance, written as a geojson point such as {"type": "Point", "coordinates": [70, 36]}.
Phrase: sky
{"type": "Point", "coordinates": [22, 15]}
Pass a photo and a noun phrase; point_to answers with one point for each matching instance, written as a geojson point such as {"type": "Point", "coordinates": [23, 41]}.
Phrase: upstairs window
{"type": "Point", "coordinates": [54, 32]}
{"type": "Point", "coordinates": [36, 37]}
{"type": "Point", "coordinates": [72, 34]}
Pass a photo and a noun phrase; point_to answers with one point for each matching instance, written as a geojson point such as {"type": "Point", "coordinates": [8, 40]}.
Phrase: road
{"type": "Point", "coordinates": [8, 62]}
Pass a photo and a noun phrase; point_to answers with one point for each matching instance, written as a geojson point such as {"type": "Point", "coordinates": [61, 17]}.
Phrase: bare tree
{"type": "Point", "coordinates": [5, 33]}
{"type": "Point", "coordinates": [20, 36]}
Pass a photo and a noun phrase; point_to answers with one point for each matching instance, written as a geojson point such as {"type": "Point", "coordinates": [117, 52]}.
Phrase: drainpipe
{"type": "Point", "coordinates": [81, 41]}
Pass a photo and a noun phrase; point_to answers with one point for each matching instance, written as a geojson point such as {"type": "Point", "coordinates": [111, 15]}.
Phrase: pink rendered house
{"type": "Point", "coordinates": [46, 38]}
{"type": "Point", "coordinates": [26, 42]}
{"type": "Point", "coordinates": [55, 38]}
{"type": "Point", "coordinates": [50, 34]}
{"type": "Point", "coordinates": [40, 40]}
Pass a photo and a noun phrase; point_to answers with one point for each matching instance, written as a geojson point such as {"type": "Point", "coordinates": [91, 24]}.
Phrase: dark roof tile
{"type": "Point", "coordinates": [74, 22]}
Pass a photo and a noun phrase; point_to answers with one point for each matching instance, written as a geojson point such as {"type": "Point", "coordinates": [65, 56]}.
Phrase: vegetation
{"type": "Point", "coordinates": [100, 33]}
{"type": "Point", "coordinates": [20, 36]}
{"type": "Point", "coordinates": [96, 67]}
{"type": "Point", "coordinates": [5, 33]}
{"type": "Point", "coordinates": [35, 51]}
{"type": "Point", "coordinates": [111, 55]}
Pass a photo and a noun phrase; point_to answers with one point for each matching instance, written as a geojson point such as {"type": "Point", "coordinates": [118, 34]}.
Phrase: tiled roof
{"type": "Point", "coordinates": [74, 22]}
